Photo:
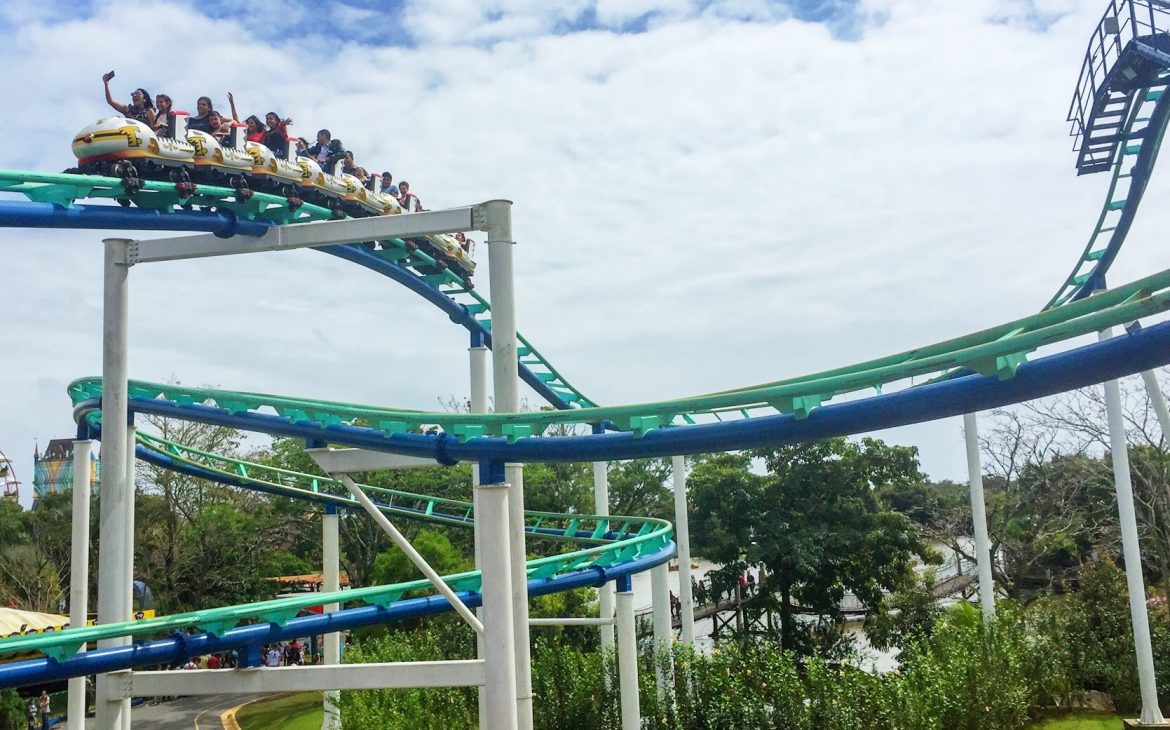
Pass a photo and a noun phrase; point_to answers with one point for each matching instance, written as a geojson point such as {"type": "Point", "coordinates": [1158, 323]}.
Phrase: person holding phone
{"type": "Point", "coordinates": [140, 108]}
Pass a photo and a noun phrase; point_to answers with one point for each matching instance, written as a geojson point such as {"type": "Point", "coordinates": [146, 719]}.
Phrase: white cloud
{"type": "Point", "coordinates": [705, 205]}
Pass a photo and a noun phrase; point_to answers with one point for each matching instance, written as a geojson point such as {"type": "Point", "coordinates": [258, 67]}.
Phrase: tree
{"type": "Point", "coordinates": [814, 521]}
{"type": "Point", "coordinates": [35, 552]}
{"type": "Point", "coordinates": [393, 566]}
{"type": "Point", "coordinates": [639, 487]}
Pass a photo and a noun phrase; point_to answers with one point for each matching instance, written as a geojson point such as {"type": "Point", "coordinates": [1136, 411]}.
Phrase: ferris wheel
{"type": "Point", "coordinates": [8, 483]}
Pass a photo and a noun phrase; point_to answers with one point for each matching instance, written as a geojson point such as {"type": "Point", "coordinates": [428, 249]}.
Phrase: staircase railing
{"type": "Point", "coordinates": [1122, 21]}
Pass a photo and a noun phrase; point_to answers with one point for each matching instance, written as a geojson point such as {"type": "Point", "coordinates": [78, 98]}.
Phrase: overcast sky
{"type": "Point", "coordinates": [708, 193]}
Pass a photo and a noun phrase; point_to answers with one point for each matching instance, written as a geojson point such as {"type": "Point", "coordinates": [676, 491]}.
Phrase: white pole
{"type": "Point", "coordinates": [479, 403]}
{"type": "Point", "coordinates": [79, 571]}
{"type": "Point", "coordinates": [498, 645]}
{"type": "Point", "coordinates": [627, 657]}
{"type": "Point", "coordinates": [413, 555]}
{"type": "Point", "coordinates": [605, 592]}
{"type": "Point", "coordinates": [506, 375]}
{"type": "Point", "coordinates": [682, 537]}
{"type": "Point", "coordinates": [1119, 450]}
{"type": "Point", "coordinates": [116, 504]}
{"type": "Point", "coordinates": [1158, 399]}
{"type": "Point", "coordinates": [663, 631]}
{"type": "Point", "coordinates": [979, 516]}
{"type": "Point", "coordinates": [331, 582]}
{"type": "Point", "coordinates": [131, 487]}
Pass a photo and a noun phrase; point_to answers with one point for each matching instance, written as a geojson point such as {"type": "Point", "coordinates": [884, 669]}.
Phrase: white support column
{"type": "Point", "coordinates": [1158, 399]}
{"type": "Point", "coordinates": [498, 640]}
{"type": "Point", "coordinates": [979, 516]}
{"type": "Point", "coordinates": [413, 555]}
{"type": "Point", "coordinates": [116, 504]}
{"type": "Point", "coordinates": [79, 571]}
{"type": "Point", "coordinates": [506, 376]}
{"type": "Point", "coordinates": [479, 404]}
{"type": "Point", "coordinates": [663, 631]}
{"type": "Point", "coordinates": [627, 657]}
{"type": "Point", "coordinates": [605, 592]}
{"type": "Point", "coordinates": [1119, 451]}
{"type": "Point", "coordinates": [682, 537]}
{"type": "Point", "coordinates": [131, 486]}
{"type": "Point", "coordinates": [331, 582]}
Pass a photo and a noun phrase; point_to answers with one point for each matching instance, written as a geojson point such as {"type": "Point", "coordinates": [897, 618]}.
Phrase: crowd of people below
{"type": "Point", "coordinates": [272, 132]}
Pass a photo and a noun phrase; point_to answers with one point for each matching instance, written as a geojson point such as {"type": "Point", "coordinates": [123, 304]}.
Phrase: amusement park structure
{"type": "Point", "coordinates": [9, 484]}
{"type": "Point", "coordinates": [1119, 117]}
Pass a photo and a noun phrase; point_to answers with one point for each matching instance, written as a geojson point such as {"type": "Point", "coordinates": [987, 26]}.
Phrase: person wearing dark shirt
{"type": "Point", "coordinates": [276, 136]}
{"type": "Point", "coordinates": [200, 122]}
{"type": "Point", "coordinates": [327, 152]}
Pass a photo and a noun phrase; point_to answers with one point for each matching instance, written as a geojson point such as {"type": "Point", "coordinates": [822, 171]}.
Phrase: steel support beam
{"type": "Point", "coordinates": [477, 372]}
{"type": "Point", "coordinates": [335, 461]}
{"type": "Point", "coordinates": [1119, 453]}
{"type": "Point", "coordinates": [330, 581]}
{"type": "Point", "coordinates": [682, 538]}
{"type": "Point", "coordinates": [1158, 400]}
{"type": "Point", "coordinates": [627, 658]}
{"type": "Point", "coordinates": [394, 675]}
{"type": "Point", "coordinates": [571, 621]}
{"type": "Point", "coordinates": [116, 503]}
{"type": "Point", "coordinates": [601, 507]}
{"type": "Point", "coordinates": [498, 638]}
{"type": "Point", "coordinates": [497, 221]}
{"type": "Point", "coordinates": [663, 632]}
{"type": "Point", "coordinates": [305, 235]}
{"type": "Point", "coordinates": [979, 516]}
{"type": "Point", "coordinates": [79, 571]}
{"type": "Point", "coordinates": [404, 545]}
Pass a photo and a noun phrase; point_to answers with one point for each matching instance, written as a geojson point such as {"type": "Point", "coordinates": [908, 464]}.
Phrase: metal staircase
{"type": "Point", "coordinates": [1127, 53]}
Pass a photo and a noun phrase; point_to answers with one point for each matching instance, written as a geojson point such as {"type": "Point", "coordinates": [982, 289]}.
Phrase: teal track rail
{"type": "Point", "coordinates": [1122, 198]}
{"type": "Point", "coordinates": [601, 541]}
{"type": "Point", "coordinates": [997, 350]}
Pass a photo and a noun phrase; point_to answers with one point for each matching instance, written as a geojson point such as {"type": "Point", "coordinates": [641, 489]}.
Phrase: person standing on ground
{"type": "Point", "coordinates": [46, 710]}
{"type": "Point", "coordinates": [32, 715]}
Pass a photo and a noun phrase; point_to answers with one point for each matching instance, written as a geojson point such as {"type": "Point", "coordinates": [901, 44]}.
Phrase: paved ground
{"type": "Point", "coordinates": [186, 713]}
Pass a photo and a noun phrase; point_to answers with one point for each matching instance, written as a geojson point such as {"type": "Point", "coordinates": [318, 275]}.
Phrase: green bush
{"type": "Point", "coordinates": [959, 675]}
{"type": "Point", "coordinates": [12, 711]}
{"type": "Point", "coordinates": [1090, 636]}
{"type": "Point", "coordinates": [408, 709]}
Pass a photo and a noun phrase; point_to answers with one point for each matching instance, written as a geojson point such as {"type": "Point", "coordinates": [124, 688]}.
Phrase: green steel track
{"type": "Point", "coordinates": [996, 350]}
{"type": "Point", "coordinates": [603, 541]}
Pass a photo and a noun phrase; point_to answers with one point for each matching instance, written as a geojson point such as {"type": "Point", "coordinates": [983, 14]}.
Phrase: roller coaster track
{"type": "Point", "coordinates": [604, 542]}
{"type": "Point", "coordinates": [997, 351]}
{"type": "Point", "coordinates": [973, 372]}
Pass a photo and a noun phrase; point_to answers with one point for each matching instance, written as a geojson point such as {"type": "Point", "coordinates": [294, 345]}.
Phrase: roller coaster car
{"type": "Point", "coordinates": [217, 164]}
{"type": "Point", "coordinates": [130, 150]}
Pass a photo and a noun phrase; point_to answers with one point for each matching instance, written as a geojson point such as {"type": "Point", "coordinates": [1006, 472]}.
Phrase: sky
{"type": "Point", "coordinates": [708, 193]}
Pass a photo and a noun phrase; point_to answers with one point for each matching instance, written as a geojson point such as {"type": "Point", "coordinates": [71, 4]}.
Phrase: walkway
{"type": "Point", "coordinates": [185, 713]}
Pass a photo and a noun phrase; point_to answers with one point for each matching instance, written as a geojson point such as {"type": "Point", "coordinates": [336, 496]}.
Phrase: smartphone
{"type": "Point", "coordinates": [110, 74]}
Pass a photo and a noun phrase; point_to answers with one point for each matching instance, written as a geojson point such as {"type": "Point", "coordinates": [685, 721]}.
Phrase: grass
{"type": "Point", "coordinates": [300, 711]}
{"type": "Point", "coordinates": [1081, 721]}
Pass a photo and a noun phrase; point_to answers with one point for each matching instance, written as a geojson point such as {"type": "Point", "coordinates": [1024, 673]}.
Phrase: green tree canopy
{"type": "Point", "coordinates": [814, 521]}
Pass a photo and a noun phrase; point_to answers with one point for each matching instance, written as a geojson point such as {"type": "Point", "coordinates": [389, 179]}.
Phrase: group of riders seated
{"type": "Point", "coordinates": [272, 133]}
